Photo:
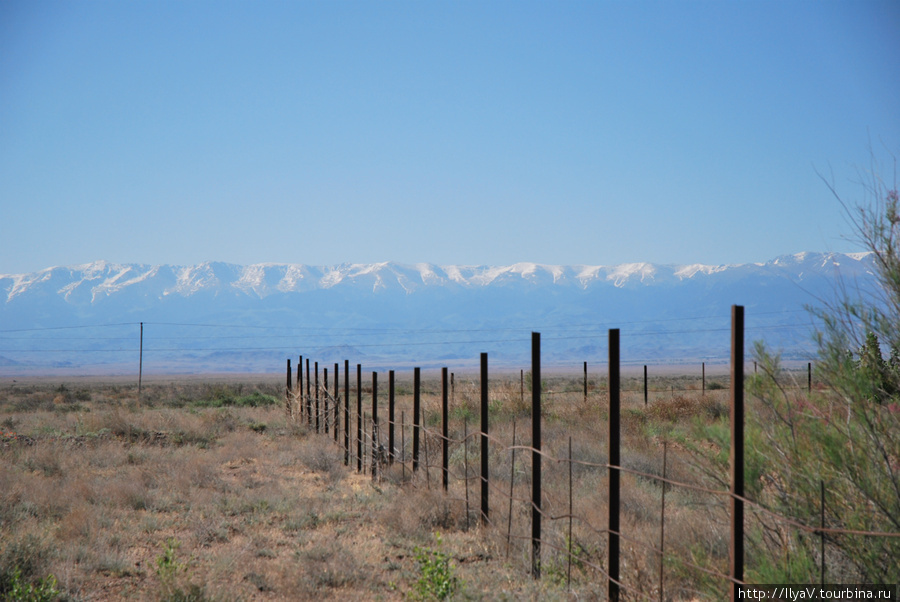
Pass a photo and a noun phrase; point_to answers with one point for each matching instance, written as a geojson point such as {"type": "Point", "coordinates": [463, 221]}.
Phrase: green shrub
{"type": "Point", "coordinates": [256, 400]}
{"type": "Point", "coordinates": [19, 590]}
{"type": "Point", "coordinates": [172, 573]}
{"type": "Point", "coordinates": [225, 398]}
{"type": "Point", "coordinates": [843, 440]}
{"type": "Point", "coordinates": [23, 566]}
{"type": "Point", "coordinates": [436, 580]}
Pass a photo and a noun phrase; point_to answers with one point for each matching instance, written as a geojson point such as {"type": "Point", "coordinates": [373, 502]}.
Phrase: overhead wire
{"type": "Point", "coordinates": [338, 337]}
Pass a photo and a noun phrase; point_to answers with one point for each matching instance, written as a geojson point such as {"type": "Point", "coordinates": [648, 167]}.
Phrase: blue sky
{"type": "Point", "coordinates": [446, 132]}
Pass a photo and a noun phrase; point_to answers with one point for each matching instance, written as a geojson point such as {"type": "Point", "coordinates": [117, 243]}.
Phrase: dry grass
{"type": "Point", "coordinates": [95, 487]}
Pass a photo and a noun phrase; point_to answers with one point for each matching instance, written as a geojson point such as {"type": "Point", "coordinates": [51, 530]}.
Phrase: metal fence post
{"type": "Point", "coordinates": [317, 395]}
{"type": "Point", "coordinates": [308, 398]}
{"type": "Point", "coordinates": [374, 423]}
{"type": "Point", "coordinates": [391, 417]}
{"type": "Point", "coordinates": [485, 512]}
{"type": "Point", "coordinates": [737, 450]}
{"type": "Point", "coordinates": [141, 362]}
{"type": "Point", "coordinates": [614, 463]}
{"type": "Point", "coordinates": [585, 382]}
{"type": "Point", "coordinates": [445, 429]}
{"type": "Point", "coordinates": [359, 418]}
{"type": "Point", "coordinates": [536, 455]}
{"type": "Point", "coordinates": [288, 386]}
{"type": "Point", "coordinates": [417, 412]}
{"type": "Point", "coordinates": [346, 412]}
{"type": "Point", "coordinates": [645, 384]}
{"type": "Point", "coordinates": [337, 404]}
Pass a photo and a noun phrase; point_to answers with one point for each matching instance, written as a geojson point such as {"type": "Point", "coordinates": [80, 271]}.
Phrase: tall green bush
{"type": "Point", "coordinates": [845, 436]}
{"type": "Point", "coordinates": [849, 445]}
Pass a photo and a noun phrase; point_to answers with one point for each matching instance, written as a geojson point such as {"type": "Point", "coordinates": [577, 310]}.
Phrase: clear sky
{"type": "Point", "coordinates": [459, 132]}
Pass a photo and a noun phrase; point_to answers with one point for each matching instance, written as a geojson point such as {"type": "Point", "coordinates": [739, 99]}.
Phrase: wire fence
{"type": "Point", "coordinates": [487, 474]}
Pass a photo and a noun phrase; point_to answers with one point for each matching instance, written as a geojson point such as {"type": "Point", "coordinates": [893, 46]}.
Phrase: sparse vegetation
{"type": "Point", "coordinates": [177, 498]}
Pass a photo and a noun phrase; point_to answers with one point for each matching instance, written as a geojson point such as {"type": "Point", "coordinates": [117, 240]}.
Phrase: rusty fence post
{"type": "Point", "coordinates": [337, 404]}
{"type": "Point", "coordinates": [403, 444]}
{"type": "Point", "coordinates": [736, 555]}
{"type": "Point", "coordinates": [141, 362]}
{"type": "Point", "coordinates": [325, 399]}
{"type": "Point", "coordinates": [374, 423]}
{"type": "Point", "coordinates": [359, 418]}
{"type": "Point", "coordinates": [288, 385]}
{"type": "Point", "coordinates": [569, 544]}
{"type": "Point", "coordinates": [445, 430]}
{"type": "Point", "coordinates": [485, 511]}
{"type": "Point", "coordinates": [645, 385]}
{"type": "Point", "coordinates": [417, 412]}
{"type": "Point", "coordinates": [585, 382]}
{"type": "Point", "coordinates": [703, 377]}
{"type": "Point", "coordinates": [536, 455]}
{"type": "Point", "coordinates": [346, 412]}
{"type": "Point", "coordinates": [308, 397]}
{"type": "Point", "coordinates": [317, 395]}
{"type": "Point", "coordinates": [391, 417]}
{"type": "Point", "coordinates": [614, 463]}
{"type": "Point", "coordinates": [300, 385]}
{"type": "Point", "coordinates": [512, 481]}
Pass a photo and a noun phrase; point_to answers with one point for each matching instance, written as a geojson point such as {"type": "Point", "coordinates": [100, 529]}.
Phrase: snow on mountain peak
{"type": "Point", "coordinates": [91, 281]}
{"type": "Point", "coordinates": [689, 271]}
{"type": "Point", "coordinates": [124, 276]}
{"type": "Point", "coordinates": [100, 278]}
{"type": "Point", "coordinates": [620, 274]}
{"type": "Point", "coordinates": [418, 296]}
{"type": "Point", "coordinates": [194, 278]}
{"type": "Point", "coordinates": [427, 274]}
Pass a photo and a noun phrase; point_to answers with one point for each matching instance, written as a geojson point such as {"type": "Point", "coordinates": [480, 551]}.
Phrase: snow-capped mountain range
{"type": "Point", "coordinates": [220, 316]}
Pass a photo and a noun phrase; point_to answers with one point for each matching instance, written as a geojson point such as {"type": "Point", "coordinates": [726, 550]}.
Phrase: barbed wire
{"type": "Point", "coordinates": [494, 487]}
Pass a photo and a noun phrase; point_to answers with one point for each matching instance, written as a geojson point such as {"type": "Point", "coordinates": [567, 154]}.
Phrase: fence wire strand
{"type": "Point", "coordinates": [507, 493]}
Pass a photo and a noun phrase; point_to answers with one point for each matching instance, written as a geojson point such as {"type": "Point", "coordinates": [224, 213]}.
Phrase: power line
{"type": "Point", "coordinates": [70, 327]}
{"type": "Point", "coordinates": [326, 329]}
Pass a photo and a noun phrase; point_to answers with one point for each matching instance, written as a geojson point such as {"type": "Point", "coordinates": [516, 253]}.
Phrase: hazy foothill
{"type": "Point", "coordinates": [219, 317]}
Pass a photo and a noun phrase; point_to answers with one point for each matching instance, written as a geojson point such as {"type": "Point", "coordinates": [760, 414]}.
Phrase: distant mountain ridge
{"type": "Point", "coordinates": [430, 302]}
{"type": "Point", "coordinates": [271, 278]}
